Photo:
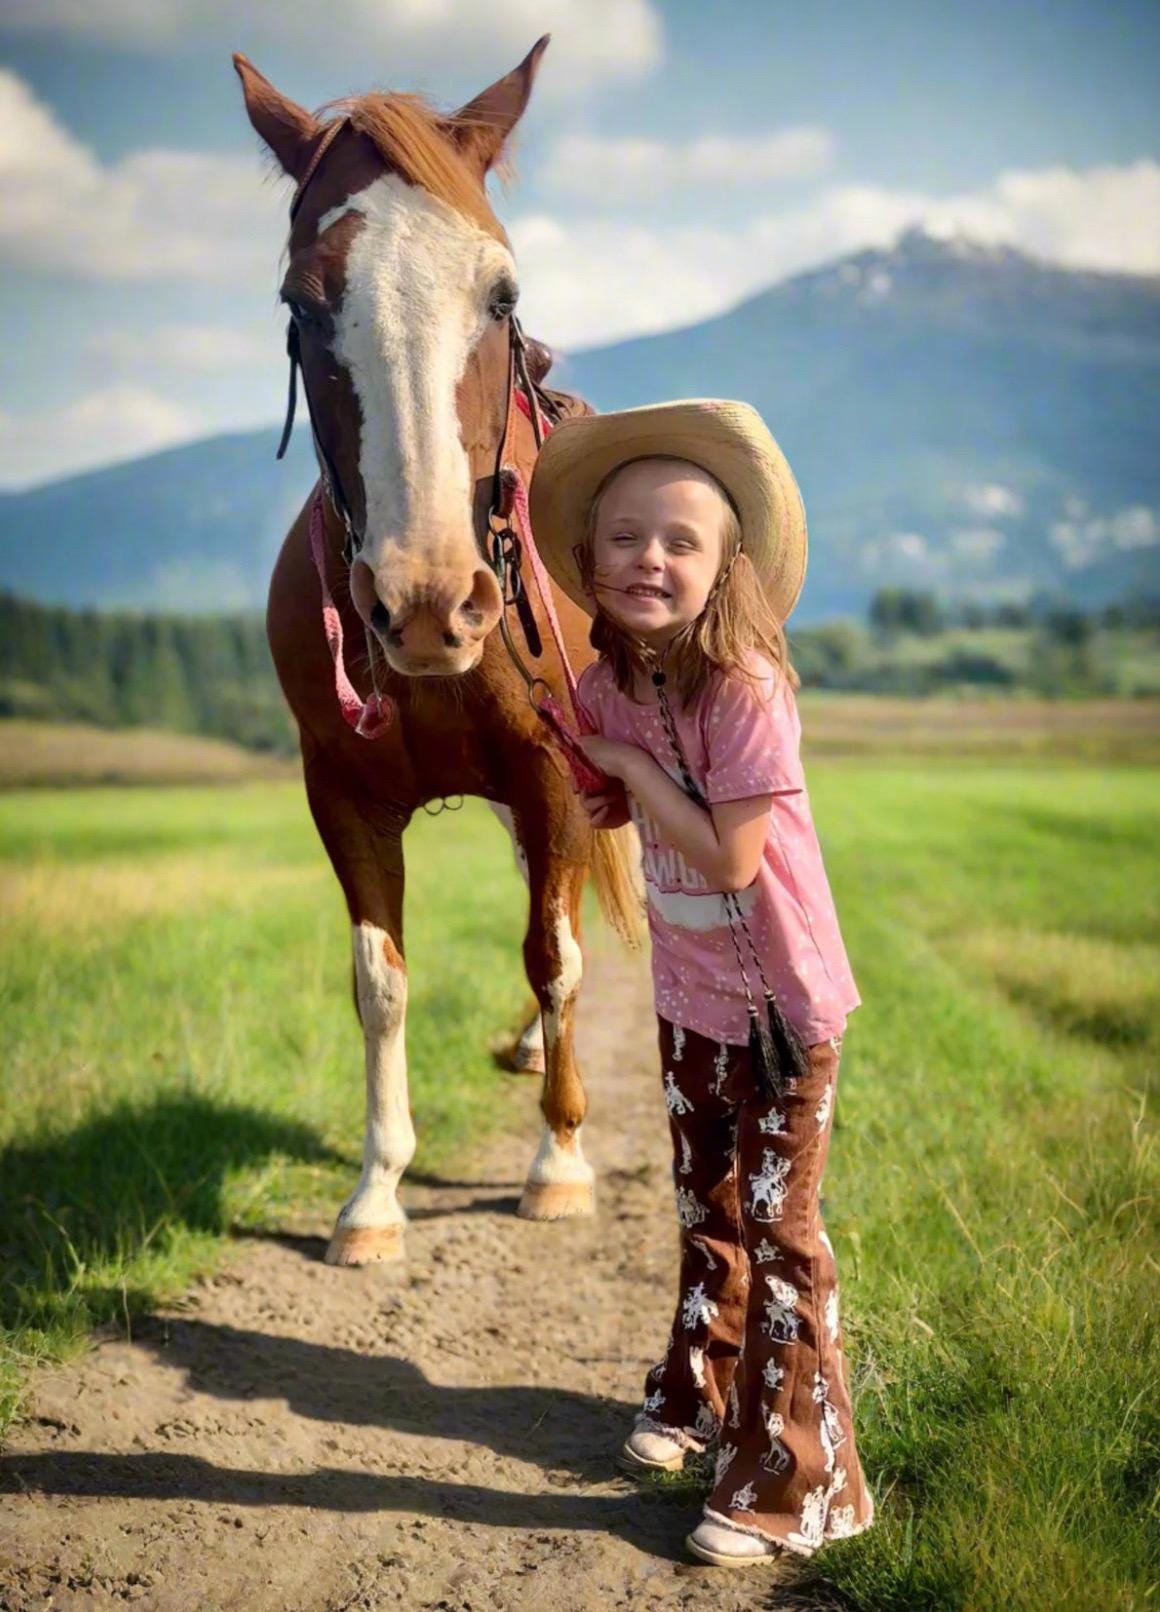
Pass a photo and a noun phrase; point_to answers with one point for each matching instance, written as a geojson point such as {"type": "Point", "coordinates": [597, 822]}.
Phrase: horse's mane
{"type": "Point", "coordinates": [410, 135]}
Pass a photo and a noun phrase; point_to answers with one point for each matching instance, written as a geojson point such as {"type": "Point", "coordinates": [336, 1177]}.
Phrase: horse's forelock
{"type": "Point", "coordinates": [408, 133]}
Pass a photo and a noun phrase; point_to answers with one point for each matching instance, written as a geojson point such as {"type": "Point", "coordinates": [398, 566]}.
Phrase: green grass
{"type": "Point", "coordinates": [181, 1054]}
{"type": "Point", "coordinates": [992, 1191]}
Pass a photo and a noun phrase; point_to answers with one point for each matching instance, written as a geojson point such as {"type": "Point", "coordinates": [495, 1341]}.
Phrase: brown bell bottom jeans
{"type": "Point", "coordinates": [754, 1361]}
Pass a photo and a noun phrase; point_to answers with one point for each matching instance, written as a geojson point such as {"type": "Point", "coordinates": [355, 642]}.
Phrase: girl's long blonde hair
{"type": "Point", "coordinates": [737, 619]}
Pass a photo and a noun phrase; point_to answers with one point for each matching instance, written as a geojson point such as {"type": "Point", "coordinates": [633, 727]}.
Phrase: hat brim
{"type": "Point", "coordinates": [728, 439]}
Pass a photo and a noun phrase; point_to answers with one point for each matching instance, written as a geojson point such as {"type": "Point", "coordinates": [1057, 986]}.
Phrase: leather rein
{"type": "Point", "coordinates": [508, 540]}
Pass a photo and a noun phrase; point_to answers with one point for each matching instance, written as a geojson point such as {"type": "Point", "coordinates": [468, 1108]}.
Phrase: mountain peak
{"type": "Point", "coordinates": [929, 243]}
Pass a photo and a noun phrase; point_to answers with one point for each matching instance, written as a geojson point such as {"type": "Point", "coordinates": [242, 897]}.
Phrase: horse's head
{"type": "Point", "coordinates": [400, 283]}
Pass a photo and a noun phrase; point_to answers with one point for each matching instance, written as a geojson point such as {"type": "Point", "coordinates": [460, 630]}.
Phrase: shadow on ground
{"type": "Point", "coordinates": [88, 1201]}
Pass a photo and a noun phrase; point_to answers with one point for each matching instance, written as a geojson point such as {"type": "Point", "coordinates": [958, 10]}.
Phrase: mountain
{"type": "Point", "coordinates": [960, 418]}
{"type": "Point", "coordinates": [195, 528]}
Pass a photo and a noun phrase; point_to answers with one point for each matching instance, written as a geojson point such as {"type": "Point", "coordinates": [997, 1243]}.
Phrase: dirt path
{"type": "Point", "coordinates": [297, 1437]}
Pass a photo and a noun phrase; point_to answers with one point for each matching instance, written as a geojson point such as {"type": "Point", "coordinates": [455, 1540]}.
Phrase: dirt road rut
{"type": "Point", "coordinates": [298, 1437]}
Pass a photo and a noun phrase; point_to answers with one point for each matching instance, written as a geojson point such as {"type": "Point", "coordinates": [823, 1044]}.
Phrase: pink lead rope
{"type": "Point", "coordinates": [370, 717]}
{"type": "Point", "coordinates": [587, 775]}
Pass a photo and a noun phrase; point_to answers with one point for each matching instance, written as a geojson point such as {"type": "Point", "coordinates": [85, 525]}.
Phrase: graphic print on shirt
{"type": "Point", "coordinates": [679, 893]}
{"type": "Point", "coordinates": [686, 1165]}
{"type": "Point", "coordinates": [741, 740]}
{"type": "Point", "coordinates": [697, 1363]}
{"type": "Point", "coordinates": [772, 1124]}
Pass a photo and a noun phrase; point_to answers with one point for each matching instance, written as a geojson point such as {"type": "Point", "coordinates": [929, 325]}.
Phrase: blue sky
{"type": "Point", "coordinates": [676, 158]}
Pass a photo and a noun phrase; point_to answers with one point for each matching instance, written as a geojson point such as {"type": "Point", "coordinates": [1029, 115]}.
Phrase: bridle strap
{"type": "Point", "coordinates": [293, 353]}
{"type": "Point", "coordinates": [329, 136]}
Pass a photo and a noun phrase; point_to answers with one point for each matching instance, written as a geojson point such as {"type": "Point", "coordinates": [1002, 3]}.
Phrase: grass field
{"type": "Point", "coordinates": [993, 1191]}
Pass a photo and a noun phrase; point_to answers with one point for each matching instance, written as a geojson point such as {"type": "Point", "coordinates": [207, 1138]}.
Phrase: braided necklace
{"type": "Point", "coordinates": [775, 1048]}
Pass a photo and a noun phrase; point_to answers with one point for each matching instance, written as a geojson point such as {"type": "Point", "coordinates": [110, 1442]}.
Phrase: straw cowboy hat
{"type": "Point", "coordinates": [729, 440]}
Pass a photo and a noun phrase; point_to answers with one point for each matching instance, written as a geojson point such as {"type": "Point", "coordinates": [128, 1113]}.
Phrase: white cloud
{"type": "Point", "coordinates": [902, 556]}
{"type": "Point", "coordinates": [203, 349]}
{"type": "Point", "coordinates": [1081, 538]}
{"type": "Point", "coordinates": [1096, 218]}
{"type": "Point", "coordinates": [97, 428]}
{"type": "Point", "coordinates": [992, 501]}
{"type": "Point", "coordinates": [600, 277]}
{"type": "Point", "coordinates": [611, 170]}
{"type": "Point", "coordinates": [153, 215]}
{"type": "Point", "coordinates": [591, 39]}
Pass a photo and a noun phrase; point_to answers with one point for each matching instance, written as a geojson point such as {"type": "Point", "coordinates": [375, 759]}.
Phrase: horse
{"type": "Point", "coordinates": [427, 409]}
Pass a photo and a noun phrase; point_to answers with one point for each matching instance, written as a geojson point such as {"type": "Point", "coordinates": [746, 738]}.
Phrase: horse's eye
{"type": "Point", "coordinates": [304, 314]}
{"type": "Point", "coordinates": [503, 300]}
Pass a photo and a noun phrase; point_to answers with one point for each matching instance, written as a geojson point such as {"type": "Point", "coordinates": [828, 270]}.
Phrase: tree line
{"type": "Point", "coordinates": [213, 675]}
{"type": "Point", "coordinates": [190, 674]}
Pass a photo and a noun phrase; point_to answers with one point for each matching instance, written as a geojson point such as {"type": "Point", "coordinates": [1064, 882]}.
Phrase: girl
{"type": "Point", "coordinates": [680, 528]}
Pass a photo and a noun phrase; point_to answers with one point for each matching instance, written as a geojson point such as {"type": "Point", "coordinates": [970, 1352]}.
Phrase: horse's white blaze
{"type": "Point", "coordinates": [390, 1136]}
{"type": "Point", "coordinates": [418, 276]}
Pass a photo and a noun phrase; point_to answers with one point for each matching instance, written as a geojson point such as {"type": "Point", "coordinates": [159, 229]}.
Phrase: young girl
{"type": "Point", "coordinates": [681, 529]}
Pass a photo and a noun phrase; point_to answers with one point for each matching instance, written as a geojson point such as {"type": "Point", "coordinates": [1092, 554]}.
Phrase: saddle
{"type": "Point", "coordinates": [555, 404]}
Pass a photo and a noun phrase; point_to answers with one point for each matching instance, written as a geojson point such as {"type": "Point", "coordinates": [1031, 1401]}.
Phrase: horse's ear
{"type": "Point", "coordinates": [287, 128]}
{"type": "Point", "coordinates": [480, 128]}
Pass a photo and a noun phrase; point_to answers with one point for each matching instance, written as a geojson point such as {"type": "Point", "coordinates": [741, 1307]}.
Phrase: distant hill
{"type": "Point", "coordinates": [960, 418]}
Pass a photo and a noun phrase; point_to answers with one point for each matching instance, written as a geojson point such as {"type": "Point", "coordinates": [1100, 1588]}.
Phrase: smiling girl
{"type": "Point", "coordinates": [680, 529]}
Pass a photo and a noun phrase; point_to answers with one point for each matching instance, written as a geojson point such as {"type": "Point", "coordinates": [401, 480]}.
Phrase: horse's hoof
{"type": "Point", "coordinates": [556, 1200]}
{"type": "Point", "coordinates": [517, 1058]}
{"type": "Point", "coordinates": [365, 1245]}
{"type": "Point", "coordinates": [526, 1060]}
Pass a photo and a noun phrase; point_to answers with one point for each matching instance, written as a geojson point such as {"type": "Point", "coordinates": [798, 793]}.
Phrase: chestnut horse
{"type": "Point", "coordinates": [401, 287]}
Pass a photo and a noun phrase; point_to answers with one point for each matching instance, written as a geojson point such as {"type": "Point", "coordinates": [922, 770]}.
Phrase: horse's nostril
{"type": "Point", "coordinates": [470, 611]}
{"type": "Point", "coordinates": [452, 640]}
{"type": "Point", "coordinates": [381, 618]}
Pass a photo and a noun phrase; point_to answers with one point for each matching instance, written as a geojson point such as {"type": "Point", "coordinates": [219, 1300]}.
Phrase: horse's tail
{"type": "Point", "coordinates": [616, 875]}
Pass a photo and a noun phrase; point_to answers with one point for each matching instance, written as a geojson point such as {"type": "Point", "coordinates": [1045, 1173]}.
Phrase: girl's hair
{"type": "Point", "coordinates": [736, 621]}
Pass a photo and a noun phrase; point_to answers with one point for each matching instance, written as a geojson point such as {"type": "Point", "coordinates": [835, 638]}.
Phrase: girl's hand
{"type": "Point", "coordinates": [607, 808]}
{"type": "Point", "coordinates": [610, 755]}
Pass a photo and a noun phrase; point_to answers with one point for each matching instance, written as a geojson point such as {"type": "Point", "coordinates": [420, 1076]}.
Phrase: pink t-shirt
{"type": "Point", "coordinates": [738, 741]}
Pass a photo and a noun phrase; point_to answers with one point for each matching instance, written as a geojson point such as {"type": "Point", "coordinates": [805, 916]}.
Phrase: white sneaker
{"type": "Point", "coordinates": [646, 1451]}
{"type": "Point", "coordinates": [728, 1547]}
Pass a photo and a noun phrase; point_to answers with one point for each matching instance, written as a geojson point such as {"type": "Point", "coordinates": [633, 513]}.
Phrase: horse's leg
{"type": "Point", "coordinates": [560, 1180]}
{"type": "Point", "coordinates": [365, 847]}
{"type": "Point", "coordinates": [527, 1054]}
